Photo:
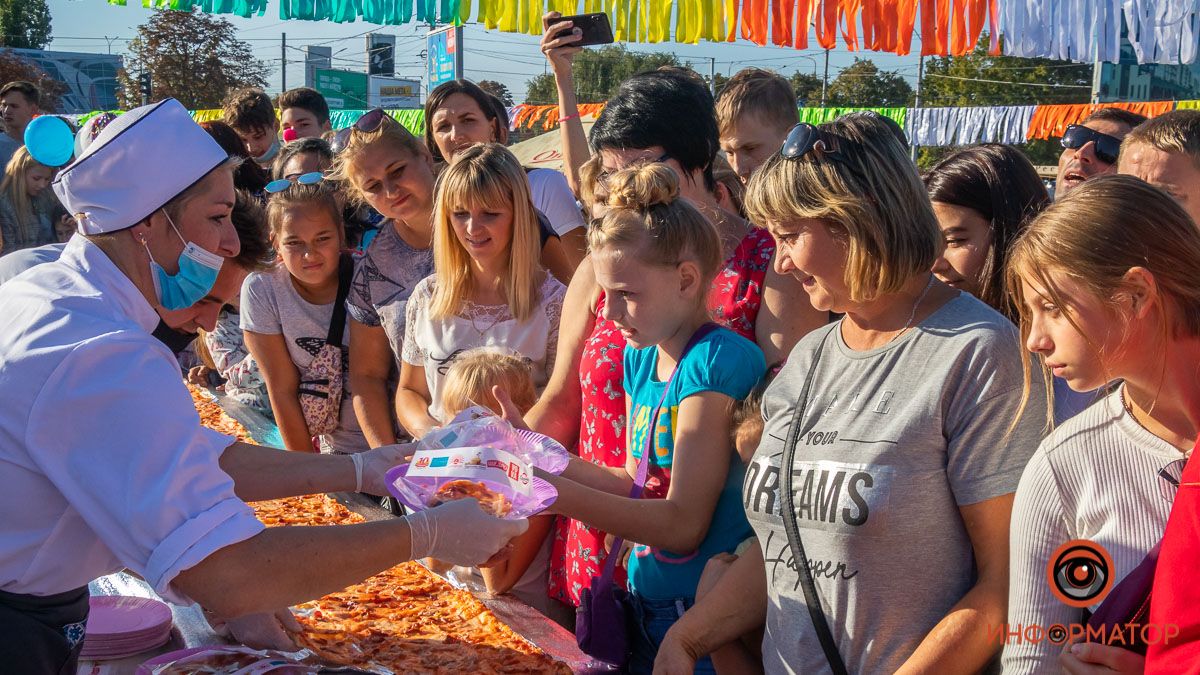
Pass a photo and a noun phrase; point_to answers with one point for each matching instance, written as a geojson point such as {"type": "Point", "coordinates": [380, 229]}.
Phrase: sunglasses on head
{"type": "Point", "coordinates": [1107, 147]}
{"type": "Point", "coordinates": [277, 186]}
{"type": "Point", "coordinates": [805, 138]}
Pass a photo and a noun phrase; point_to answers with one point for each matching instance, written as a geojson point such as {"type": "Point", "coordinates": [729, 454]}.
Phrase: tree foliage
{"type": "Point", "coordinates": [598, 73]}
{"type": "Point", "coordinates": [497, 89]}
{"type": "Point", "coordinates": [191, 56]}
{"type": "Point", "coordinates": [807, 88]}
{"type": "Point", "coordinates": [863, 84]}
{"type": "Point", "coordinates": [24, 24]}
{"type": "Point", "coordinates": [979, 79]}
{"type": "Point", "coordinates": [13, 67]}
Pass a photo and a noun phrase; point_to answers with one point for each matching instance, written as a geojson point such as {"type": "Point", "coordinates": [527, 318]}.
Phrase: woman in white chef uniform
{"type": "Point", "coordinates": [103, 462]}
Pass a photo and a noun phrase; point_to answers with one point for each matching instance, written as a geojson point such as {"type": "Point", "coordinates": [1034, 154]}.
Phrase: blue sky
{"type": "Point", "coordinates": [510, 58]}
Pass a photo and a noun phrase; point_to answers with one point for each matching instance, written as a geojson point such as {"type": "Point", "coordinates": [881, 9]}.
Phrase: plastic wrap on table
{"type": "Point", "coordinates": [261, 428]}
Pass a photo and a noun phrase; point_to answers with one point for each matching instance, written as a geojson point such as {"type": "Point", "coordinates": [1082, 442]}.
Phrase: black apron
{"type": "Point", "coordinates": [42, 634]}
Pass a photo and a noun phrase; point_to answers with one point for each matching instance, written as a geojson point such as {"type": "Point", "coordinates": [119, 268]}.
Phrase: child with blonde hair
{"type": "Point", "coordinates": [469, 381]}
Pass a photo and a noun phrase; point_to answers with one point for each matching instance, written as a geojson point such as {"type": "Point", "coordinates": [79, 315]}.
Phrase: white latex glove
{"type": "Point", "coordinates": [377, 462]}
{"type": "Point", "coordinates": [460, 533]}
{"type": "Point", "coordinates": [260, 631]}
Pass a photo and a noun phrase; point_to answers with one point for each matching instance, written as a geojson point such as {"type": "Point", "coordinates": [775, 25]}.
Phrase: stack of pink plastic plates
{"type": "Point", "coordinates": [120, 626]}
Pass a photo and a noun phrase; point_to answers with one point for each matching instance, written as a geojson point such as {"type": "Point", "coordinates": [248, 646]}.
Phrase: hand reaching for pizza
{"type": "Point", "coordinates": [461, 533]}
{"type": "Point", "coordinates": [261, 631]}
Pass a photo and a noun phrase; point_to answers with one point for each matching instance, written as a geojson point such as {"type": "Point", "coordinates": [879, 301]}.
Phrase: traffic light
{"type": "Point", "coordinates": [145, 86]}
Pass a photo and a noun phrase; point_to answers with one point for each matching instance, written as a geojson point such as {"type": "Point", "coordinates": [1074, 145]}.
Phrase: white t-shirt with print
{"type": "Point", "coordinates": [433, 343]}
{"type": "Point", "coordinates": [272, 306]}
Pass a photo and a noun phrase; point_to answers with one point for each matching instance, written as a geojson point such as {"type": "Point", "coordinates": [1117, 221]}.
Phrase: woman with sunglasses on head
{"type": "Point", "coordinates": [459, 114]}
{"type": "Point", "coordinates": [1108, 289]}
{"type": "Point", "coordinates": [893, 438]}
{"type": "Point", "coordinates": [667, 117]}
{"type": "Point", "coordinates": [384, 166]}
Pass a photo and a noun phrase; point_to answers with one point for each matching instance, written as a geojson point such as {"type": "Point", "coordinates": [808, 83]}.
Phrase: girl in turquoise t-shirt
{"type": "Point", "coordinates": [655, 257]}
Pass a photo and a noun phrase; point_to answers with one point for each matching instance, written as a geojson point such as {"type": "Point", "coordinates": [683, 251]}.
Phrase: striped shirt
{"type": "Point", "coordinates": [1095, 478]}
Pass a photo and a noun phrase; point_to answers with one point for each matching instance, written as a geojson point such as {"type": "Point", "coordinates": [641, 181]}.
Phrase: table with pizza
{"type": "Point", "coordinates": [403, 620]}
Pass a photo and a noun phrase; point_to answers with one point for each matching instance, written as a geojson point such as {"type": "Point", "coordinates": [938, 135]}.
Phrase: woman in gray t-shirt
{"type": "Point", "coordinates": [908, 445]}
{"type": "Point", "coordinates": [392, 171]}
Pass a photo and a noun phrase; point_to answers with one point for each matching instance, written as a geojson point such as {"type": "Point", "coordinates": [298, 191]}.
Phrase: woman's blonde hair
{"type": "Point", "coordinates": [12, 187]}
{"type": "Point", "coordinates": [869, 190]}
{"type": "Point", "coordinates": [485, 175]}
{"type": "Point", "coordinates": [1094, 235]}
{"type": "Point", "coordinates": [389, 132]}
{"type": "Point", "coordinates": [591, 191]}
{"type": "Point", "coordinates": [647, 219]}
{"type": "Point", "coordinates": [473, 373]}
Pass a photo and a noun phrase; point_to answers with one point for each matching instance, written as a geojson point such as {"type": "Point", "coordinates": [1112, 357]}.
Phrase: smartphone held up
{"type": "Point", "coordinates": [595, 28]}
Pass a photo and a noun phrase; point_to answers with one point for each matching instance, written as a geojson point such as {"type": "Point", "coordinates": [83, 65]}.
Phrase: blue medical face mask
{"type": "Point", "coordinates": [197, 274]}
{"type": "Point", "coordinates": [270, 153]}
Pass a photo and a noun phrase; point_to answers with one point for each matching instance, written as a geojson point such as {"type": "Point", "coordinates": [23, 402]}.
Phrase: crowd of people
{"type": "Point", "coordinates": [844, 415]}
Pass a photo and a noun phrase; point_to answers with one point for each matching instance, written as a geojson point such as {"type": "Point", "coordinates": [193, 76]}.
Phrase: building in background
{"type": "Point", "coordinates": [91, 79]}
{"type": "Point", "coordinates": [1129, 81]}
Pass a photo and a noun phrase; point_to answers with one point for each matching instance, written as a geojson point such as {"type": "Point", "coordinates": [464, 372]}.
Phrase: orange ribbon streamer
{"type": "Point", "coordinates": [1051, 121]}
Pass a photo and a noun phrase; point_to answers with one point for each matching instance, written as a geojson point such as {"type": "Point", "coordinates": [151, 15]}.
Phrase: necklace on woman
{"type": "Point", "coordinates": [913, 314]}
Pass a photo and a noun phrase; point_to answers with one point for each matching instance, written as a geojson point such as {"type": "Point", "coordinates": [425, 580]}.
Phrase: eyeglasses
{"type": "Point", "coordinates": [368, 122]}
{"type": "Point", "coordinates": [1107, 147]}
{"type": "Point", "coordinates": [277, 186]}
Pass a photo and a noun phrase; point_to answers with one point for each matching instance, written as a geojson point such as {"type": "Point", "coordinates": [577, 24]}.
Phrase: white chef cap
{"type": "Point", "coordinates": [142, 160]}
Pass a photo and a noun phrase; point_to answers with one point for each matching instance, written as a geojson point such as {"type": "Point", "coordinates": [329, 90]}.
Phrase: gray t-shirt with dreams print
{"type": "Point", "coordinates": [894, 440]}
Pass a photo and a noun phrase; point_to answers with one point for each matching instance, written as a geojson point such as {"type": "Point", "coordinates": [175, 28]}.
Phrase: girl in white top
{"type": "Point", "coordinates": [1108, 289]}
{"type": "Point", "coordinates": [286, 311]}
{"type": "Point", "coordinates": [487, 288]}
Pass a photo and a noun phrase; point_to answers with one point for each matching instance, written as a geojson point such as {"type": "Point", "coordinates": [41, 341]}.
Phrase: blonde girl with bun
{"type": "Point", "coordinates": [26, 206]}
{"type": "Point", "coordinates": [1108, 288]}
{"type": "Point", "coordinates": [655, 257]}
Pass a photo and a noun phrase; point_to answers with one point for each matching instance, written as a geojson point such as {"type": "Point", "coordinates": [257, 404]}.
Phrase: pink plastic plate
{"type": "Point", "coordinates": [115, 615]}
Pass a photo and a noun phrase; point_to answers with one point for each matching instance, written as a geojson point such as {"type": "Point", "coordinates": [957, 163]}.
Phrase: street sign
{"type": "Point", "coordinates": [444, 57]}
{"type": "Point", "coordinates": [342, 89]}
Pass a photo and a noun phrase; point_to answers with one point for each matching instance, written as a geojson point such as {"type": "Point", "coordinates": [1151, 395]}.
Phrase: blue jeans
{"type": "Point", "coordinates": [648, 620]}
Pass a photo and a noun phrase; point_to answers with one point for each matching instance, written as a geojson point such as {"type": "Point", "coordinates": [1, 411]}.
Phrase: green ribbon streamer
{"type": "Point", "coordinates": [823, 115]}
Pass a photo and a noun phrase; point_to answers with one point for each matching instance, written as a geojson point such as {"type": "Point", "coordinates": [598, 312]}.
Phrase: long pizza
{"type": "Point", "coordinates": [405, 619]}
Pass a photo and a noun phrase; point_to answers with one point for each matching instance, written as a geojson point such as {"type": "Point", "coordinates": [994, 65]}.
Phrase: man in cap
{"type": "Point", "coordinates": [103, 462]}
